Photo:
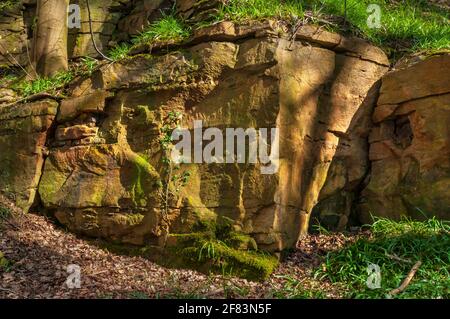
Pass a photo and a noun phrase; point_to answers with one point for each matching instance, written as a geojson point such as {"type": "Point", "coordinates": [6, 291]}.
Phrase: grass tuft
{"type": "Point", "coordinates": [43, 84]}
{"type": "Point", "coordinates": [295, 289]}
{"type": "Point", "coordinates": [167, 28]}
{"type": "Point", "coordinates": [119, 52]}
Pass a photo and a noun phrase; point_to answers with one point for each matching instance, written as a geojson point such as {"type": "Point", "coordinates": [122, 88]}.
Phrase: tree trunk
{"type": "Point", "coordinates": [50, 39]}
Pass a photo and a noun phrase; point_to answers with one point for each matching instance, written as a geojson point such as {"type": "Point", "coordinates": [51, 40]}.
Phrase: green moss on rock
{"type": "Point", "coordinates": [219, 257]}
{"type": "Point", "coordinates": [218, 247]}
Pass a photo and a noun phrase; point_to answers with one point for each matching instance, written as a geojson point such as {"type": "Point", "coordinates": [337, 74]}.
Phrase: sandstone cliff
{"type": "Point", "coordinates": [356, 138]}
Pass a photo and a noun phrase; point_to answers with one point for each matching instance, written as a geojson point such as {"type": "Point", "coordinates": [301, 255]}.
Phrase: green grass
{"type": "Point", "coordinates": [40, 85]}
{"type": "Point", "coordinates": [167, 28]}
{"type": "Point", "coordinates": [119, 52]}
{"type": "Point", "coordinates": [411, 241]}
{"type": "Point", "coordinates": [88, 65]}
{"type": "Point", "coordinates": [5, 264]}
{"type": "Point", "coordinates": [408, 25]}
{"type": "Point", "coordinates": [5, 80]}
{"type": "Point", "coordinates": [412, 24]}
{"type": "Point", "coordinates": [242, 10]}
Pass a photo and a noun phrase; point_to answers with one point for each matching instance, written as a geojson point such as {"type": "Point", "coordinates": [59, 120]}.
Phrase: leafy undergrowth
{"type": "Point", "coordinates": [43, 84]}
{"type": "Point", "coordinates": [395, 247]}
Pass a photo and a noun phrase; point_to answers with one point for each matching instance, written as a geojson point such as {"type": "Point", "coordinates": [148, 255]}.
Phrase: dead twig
{"type": "Point", "coordinates": [407, 280]}
{"type": "Point", "coordinates": [397, 258]}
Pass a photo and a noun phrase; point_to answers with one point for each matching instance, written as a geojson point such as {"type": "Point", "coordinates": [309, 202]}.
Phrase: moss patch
{"type": "Point", "coordinates": [217, 247]}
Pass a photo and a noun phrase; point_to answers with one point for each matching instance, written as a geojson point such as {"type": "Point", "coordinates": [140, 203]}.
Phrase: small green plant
{"type": "Point", "coordinates": [320, 229]}
{"type": "Point", "coordinates": [5, 213]}
{"type": "Point", "coordinates": [169, 27]}
{"type": "Point", "coordinates": [207, 251]}
{"type": "Point", "coordinates": [89, 65]}
{"type": "Point", "coordinates": [138, 295]}
{"type": "Point", "coordinates": [7, 79]}
{"type": "Point", "coordinates": [172, 182]}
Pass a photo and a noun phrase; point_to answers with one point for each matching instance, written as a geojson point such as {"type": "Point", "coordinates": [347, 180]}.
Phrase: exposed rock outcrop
{"type": "Point", "coordinates": [394, 159]}
{"type": "Point", "coordinates": [24, 130]}
{"type": "Point", "coordinates": [102, 175]}
{"type": "Point", "coordinates": [410, 144]}
{"type": "Point", "coordinates": [352, 143]}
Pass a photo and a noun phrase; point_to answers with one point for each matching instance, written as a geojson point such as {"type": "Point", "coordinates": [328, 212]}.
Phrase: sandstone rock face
{"type": "Point", "coordinates": [350, 145]}
{"type": "Point", "coordinates": [409, 144]}
{"type": "Point", "coordinates": [348, 171]}
{"type": "Point", "coordinates": [394, 159]}
{"type": "Point", "coordinates": [23, 134]}
{"type": "Point", "coordinates": [104, 172]}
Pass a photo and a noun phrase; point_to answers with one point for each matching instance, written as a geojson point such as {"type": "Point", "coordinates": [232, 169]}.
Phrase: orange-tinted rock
{"type": "Point", "coordinates": [318, 35]}
{"type": "Point", "coordinates": [93, 102]}
{"type": "Point", "coordinates": [76, 132]}
{"type": "Point", "coordinates": [428, 78]}
{"type": "Point", "coordinates": [409, 147]}
{"type": "Point", "coordinates": [311, 94]}
{"type": "Point", "coordinates": [23, 134]}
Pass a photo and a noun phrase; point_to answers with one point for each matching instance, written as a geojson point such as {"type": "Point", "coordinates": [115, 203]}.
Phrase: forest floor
{"type": "Point", "coordinates": [39, 254]}
{"type": "Point", "coordinates": [35, 255]}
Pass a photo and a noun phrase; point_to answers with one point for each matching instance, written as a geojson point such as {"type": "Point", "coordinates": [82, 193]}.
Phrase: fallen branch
{"type": "Point", "coordinates": [407, 280]}
{"type": "Point", "coordinates": [397, 258]}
